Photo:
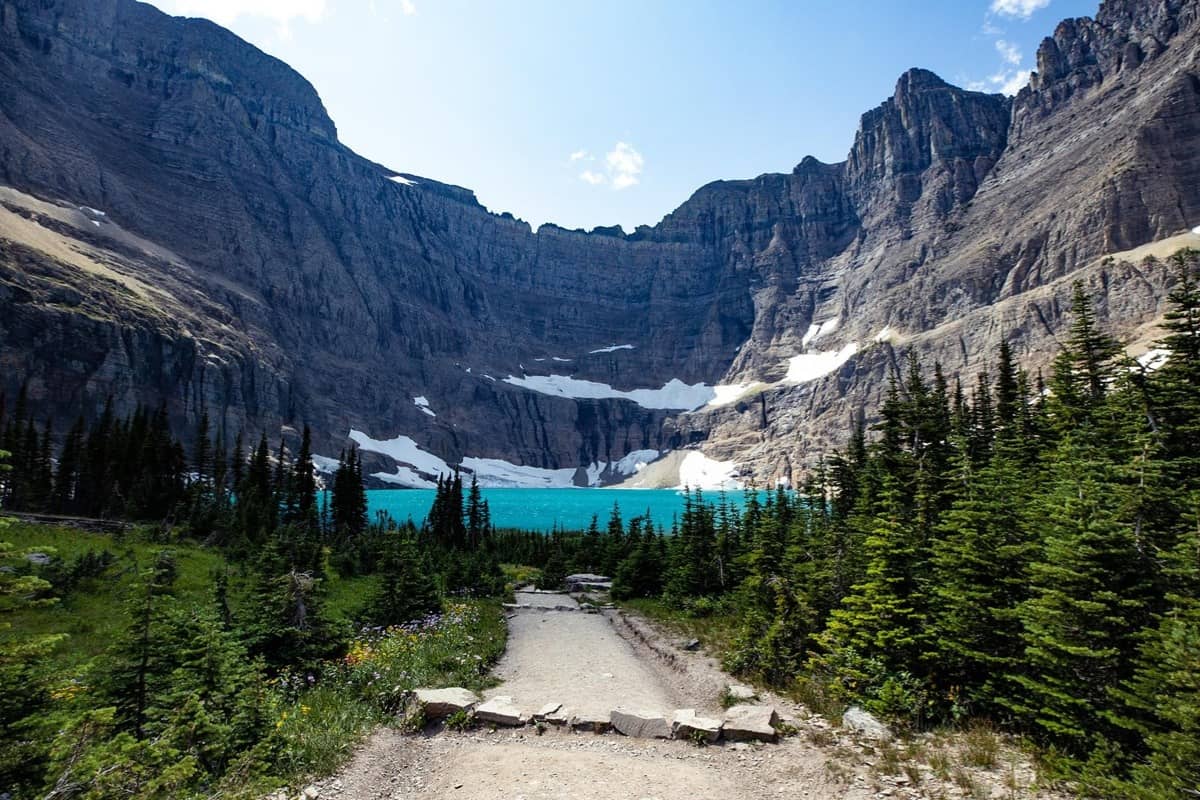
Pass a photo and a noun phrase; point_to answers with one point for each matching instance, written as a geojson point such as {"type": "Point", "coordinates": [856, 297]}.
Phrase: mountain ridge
{"type": "Point", "coordinates": [335, 294]}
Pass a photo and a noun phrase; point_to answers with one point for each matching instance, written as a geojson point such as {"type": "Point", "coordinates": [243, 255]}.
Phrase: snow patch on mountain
{"type": "Point", "coordinates": [611, 349]}
{"type": "Point", "coordinates": [728, 393]}
{"type": "Point", "coordinates": [324, 464]}
{"type": "Point", "coordinates": [674, 395]}
{"type": "Point", "coordinates": [816, 331]}
{"type": "Point", "coordinates": [404, 450]}
{"type": "Point", "coordinates": [405, 477]}
{"type": "Point", "coordinates": [1153, 359]}
{"type": "Point", "coordinates": [419, 469]}
{"type": "Point", "coordinates": [496, 473]}
{"type": "Point", "coordinates": [810, 366]}
{"type": "Point", "coordinates": [698, 471]}
{"type": "Point", "coordinates": [635, 462]}
{"type": "Point", "coordinates": [403, 181]}
{"type": "Point", "coordinates": [422, 403]}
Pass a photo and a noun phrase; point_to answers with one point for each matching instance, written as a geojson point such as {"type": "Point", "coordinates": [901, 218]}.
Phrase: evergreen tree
{"type": "Point", "coordinates": [1084, 611]}
{"type": "Point", "coordinates": [407, 590]}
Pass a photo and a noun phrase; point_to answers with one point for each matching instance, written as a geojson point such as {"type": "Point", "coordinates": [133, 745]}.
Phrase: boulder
{"type": "Point", "coordinates": [686, 725]}
{"type": "Point", "coordinates": [640, 724]}
{"type": "Point", "coordinates": [545, 711]}
{"type": "Point", "coordinates": [592, 721]}
{"type": "Point", "coordinates": [500, 711]}
{"type": "Point", "coordinates": [864, 724]}
{"type": "Point", "coordinates": [691, 645]}
{"type": "Point", "coordinates": [439, 703]}
{"type": "Point", "coordinates": [750, 723]}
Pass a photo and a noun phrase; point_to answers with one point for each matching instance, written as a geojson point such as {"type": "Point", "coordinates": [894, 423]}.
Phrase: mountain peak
{"type": "Point", "coordinates": [917, 79]}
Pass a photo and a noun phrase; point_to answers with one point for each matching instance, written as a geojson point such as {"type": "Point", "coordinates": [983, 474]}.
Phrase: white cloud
{"type": "Point", "coordinates": [1020, 9]}
{"type": "Point", "coordinates": [408, 7]}
{"type": "Point", "coordinates": [226, 12]}
{"type": "Point", "coordinates": [1009, 52]}
{"type": "Point", "coordinates": [624, 165]}
{"type": "Point", "coordinates": [1016, 82]}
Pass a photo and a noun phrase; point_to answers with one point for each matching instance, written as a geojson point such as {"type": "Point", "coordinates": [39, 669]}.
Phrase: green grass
{"type": "Point", "coordinates": [346, 598]}
{"type": "Point", "coordinates": [318, 727]}
{"type": "Point", "coordinates": [92, 613]}
{"type": "Point", "coordinates": [520, 574]}
{"type": "Point", "coordinates": [716, 630]}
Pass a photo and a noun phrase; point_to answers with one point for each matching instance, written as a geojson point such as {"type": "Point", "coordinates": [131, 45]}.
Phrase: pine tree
{"type": "Point", "coordinates": [66, 479]}
{"type": "Point", "coordinates": [1085, 607]}
{"type": "Point", "coordinates": [1161, 702]}
{"type": "Point", "coordinates": [878, 634]}
{"type": "Point", "coordinates": [980, 558]}
{"type": "Point", "coordinates": [407, 590]}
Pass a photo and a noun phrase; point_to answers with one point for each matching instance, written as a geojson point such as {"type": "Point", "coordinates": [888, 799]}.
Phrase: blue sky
{"type": "Point", "coordinates": [600, 113]}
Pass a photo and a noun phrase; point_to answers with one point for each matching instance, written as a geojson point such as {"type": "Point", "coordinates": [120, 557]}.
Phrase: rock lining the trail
{"type": "Point", "coordinates": [741, 722]}
{"type": "Point", "coordinates": [592, 722]}
{"type": "Point", "coordinates": [640, 724]}
{"type": "Point", "coordinates": [686, 724]}
{"type": "Point", "coordinates": [501, 710]}
{"type": "Point", "coordinates": [865, 724]}
{"type": "Point", "coordinates": [751, 723]}
{"type": "Point", "coordinates": [439, 703]}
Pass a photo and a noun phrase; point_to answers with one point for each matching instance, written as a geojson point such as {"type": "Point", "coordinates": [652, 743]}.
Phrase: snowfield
{"type": "Point", "coordinates": [816, 331]}
{"type": "Point", "coordinates": [810, 366]}
{"type": "Point", "coordinates": [324, 464]}
{"type": "Point", "coordinates": [675, 395]}
{"type": "Point", "coordinates": [635, 462]}
{"type": "Point", "coordinates": [727, 394]}
{"type": "Point", "coordinates": [611, 349]}
{"type": "Point", "coordinates": [698, 471]}
{"type": "Point", "coordinates": [1153, 359]}
{"type": "Point", "coordinates": [404, 450]}
{"type": "Point", "coordinates": [496, 473]}
{"type": "Point", "coordinates": [422, 403]}
{"type": "Point", "coordinates": [419, 469]}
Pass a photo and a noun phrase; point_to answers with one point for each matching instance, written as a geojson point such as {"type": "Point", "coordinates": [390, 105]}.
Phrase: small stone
{"type": "Point", "coordinates": [640, 724]}
{"type": "Point", "coordinates": [311, 792]}
{"type": "Point", "coordinates": [685, 724]}
{"type": "Point", "coordinates": [439, 703]}
{"type": "Point", "coordinates": [750, 723]}
{"type": "Point", "coordinates": [500, 711]}
{"type": "Point", "coordinates": [691, 644]}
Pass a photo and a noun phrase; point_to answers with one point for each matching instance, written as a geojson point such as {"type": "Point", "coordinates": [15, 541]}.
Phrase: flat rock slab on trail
{"type": "Point", "coordinates": [577, 660]}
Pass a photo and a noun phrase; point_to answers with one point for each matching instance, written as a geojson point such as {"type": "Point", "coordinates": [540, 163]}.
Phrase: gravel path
{"type": "Point", "coordinates": [562, 766]}
{"type": "Point", "coordinates": [598, 662]}
{"type": "Point", "coordinates": [578, 660]}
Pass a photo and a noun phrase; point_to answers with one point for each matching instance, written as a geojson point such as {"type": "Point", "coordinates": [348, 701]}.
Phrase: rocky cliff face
{"type": "Point", "coordinates": [182, 224]}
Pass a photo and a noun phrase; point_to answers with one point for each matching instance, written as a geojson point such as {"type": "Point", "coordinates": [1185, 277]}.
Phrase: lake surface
{"type": "Point", "coordinates": [542, 509]}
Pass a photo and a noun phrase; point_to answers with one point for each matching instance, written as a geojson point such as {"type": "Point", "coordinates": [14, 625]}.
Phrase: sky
{"type": "Point", "coordinates": [602, 112]}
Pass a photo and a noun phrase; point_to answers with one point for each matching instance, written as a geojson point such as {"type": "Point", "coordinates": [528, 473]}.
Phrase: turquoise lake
{"type": "Point", "coordinates": [542, 509]}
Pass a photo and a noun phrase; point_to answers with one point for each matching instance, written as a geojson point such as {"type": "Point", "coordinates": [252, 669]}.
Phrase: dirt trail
{"type": "Point", "coordinates": [598, 662]}
{"type": "Point", "coordinates": [577, 659]}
